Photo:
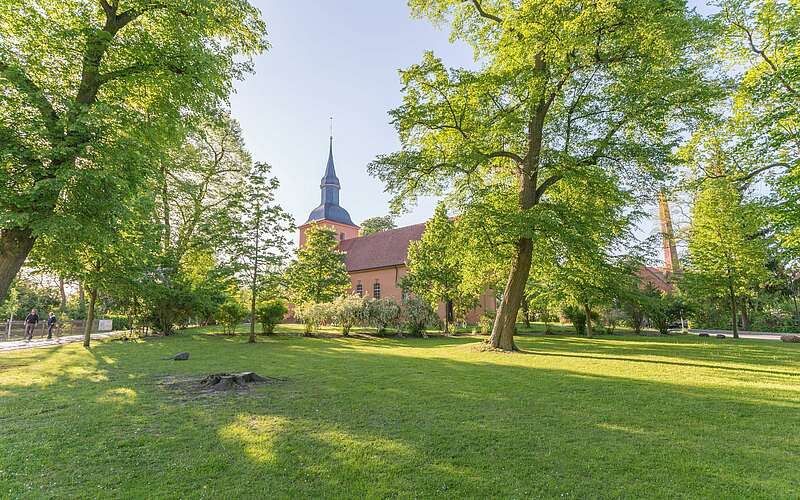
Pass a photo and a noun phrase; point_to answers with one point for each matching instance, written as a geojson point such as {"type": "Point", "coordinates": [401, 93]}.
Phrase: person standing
{"type": "Point", "coordinates": [30, 323]}
{"type": "Point", "coordinates": [51, 322]}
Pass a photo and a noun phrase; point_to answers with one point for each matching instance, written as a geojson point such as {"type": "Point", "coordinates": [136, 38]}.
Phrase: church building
{"type": "Point", "coordinates": [375, 262]}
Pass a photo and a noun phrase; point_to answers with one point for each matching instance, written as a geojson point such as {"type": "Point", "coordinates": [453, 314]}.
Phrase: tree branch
{"type": "Point", "coordinates": [483, 13]}
{"type": "Point", "coordinates": [26, 86]}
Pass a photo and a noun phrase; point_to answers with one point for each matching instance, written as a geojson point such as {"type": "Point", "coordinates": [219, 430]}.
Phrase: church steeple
{"type": "Point", "coordinates": [330, 183]}
{"type": "Point", "coordinates": [329, 208]}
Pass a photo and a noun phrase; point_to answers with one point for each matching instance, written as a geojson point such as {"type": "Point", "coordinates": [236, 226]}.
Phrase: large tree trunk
{"type": "Point", "coordinates": [506, 319]}
{"type": "Point", "coordinates": [588, 312]}
{"type": "Point", "coordinates": [503, 331]}
{"type": "Point", "coordinates": [15, 245]}
{"type": "Point", "coordinates": [87, 331]}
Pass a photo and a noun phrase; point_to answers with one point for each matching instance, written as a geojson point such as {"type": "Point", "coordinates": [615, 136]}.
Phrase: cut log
{"type": "Point", "coordinates": [790, 338]}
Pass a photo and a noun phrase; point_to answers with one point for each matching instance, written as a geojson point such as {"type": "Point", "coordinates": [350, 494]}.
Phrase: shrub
{"type": "Point", "coordinates": [612, 317]}
{"type": "Point", "coordinates": [313, 315]}
{"type": "Point", "coordinates": [348, 311]}
{"type": "Point", "coordinates": [230, 314]}
{"type": "Point", "coordinates": [418, 315]}
{"type": "Point", "coordinates": [486, 322]}
{"type": "Point", "coordinates": [383, 313]}
{"type": "Point", "coordinates": [577, 317]}
{"type": "Point", "coordinates": [269, 313]}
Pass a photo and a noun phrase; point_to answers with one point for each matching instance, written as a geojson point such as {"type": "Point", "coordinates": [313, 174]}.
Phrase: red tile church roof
{"type": "Point", "coordinates": [384, 249]}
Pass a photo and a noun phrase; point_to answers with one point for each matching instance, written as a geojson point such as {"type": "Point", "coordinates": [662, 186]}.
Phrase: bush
{"type": "Point", "coordinates": [270, 313]}
{"type": "Point", "coordinates": [612, 317]}
{"type": "Point", "coordinates": [230, 314]}
{"type": "Point", "coordinates": [418, 315]}
{"type": "Point", "coordinates": [348, 311]}
{"type": "Point", "coordinates": [577, 317]}
{"type": "Point", "coordinates": [313, 315]}
{"type": "Point", "coordinates": [486, 322]}
{"type": "Point", "coordinates": [383, 313]}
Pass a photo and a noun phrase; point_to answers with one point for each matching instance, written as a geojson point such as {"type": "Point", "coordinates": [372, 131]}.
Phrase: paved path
{"type": "Point", "coordinates": [16, 345]}
{"type": "Point", "coordinates": [742, 335]}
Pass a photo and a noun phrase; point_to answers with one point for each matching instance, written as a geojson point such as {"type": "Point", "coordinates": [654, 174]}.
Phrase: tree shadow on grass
{"type": "Point", "coordinates": [355, 420]}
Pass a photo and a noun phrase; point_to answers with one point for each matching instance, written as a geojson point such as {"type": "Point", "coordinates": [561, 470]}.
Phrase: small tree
{"type": "Point", "coordinates": [260, 243]}
{"type": "Point", "coordinates": [270, 313]}
{"type": "Point", "coordinates": [727, 252]}
{"type": "Point", "coordinates": [319, 273]}
{"type": "Point", "coordinates": [434, 266]}
{"type": "Point", "coordinates": [348, 311]}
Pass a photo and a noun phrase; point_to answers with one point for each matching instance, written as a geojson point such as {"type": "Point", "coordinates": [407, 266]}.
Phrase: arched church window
{"type": "Point", "coordinates": [341, 236]}
{"type": "Point", "coordinates": [376, 290]}
{"type": "Point", "coordinates": [360, 289]}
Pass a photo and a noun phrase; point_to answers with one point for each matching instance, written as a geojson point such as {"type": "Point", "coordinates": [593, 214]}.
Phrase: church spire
{"type": "Point", "coordinates": [330, 179]}
{"type": "Point", "coordinates": [329, 208]}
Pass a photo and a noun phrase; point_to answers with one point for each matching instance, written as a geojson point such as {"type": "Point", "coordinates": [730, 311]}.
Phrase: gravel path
{"type": "Point", "coordinates": [17, 345]}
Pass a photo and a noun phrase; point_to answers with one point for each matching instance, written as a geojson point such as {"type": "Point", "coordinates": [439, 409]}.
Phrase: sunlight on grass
{"type": "Point", "coordinates": [389, 417]}
{"type": "Point", "coordinates": [119, 395]}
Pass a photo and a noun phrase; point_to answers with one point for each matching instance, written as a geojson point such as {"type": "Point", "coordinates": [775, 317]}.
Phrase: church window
{"type": "Point", "coordinates": [360, 289]}
{"type": "Point", "coordinates": [376, 290]}
{"type": "Point", "coordinates": [341, 236]}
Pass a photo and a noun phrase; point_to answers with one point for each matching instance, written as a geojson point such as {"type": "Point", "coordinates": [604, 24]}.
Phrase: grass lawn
{"type": "Point", "coordinates": [570, 417]}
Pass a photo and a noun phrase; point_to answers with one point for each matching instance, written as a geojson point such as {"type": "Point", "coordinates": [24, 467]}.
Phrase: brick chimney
{"type": "Point", "coordinates": [671, 263]}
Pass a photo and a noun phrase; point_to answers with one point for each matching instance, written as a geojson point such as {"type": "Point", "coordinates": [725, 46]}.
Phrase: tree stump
{"type": "Point", "coordinates": [229, 381]}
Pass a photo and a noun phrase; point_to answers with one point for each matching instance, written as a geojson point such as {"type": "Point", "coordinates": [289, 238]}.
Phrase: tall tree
{"type": "Point", "coordinates": [727, 250]}
{"type": "Point", "coordinates": [564, 88]}
{"type": "Point", "coordinates": [761, 40]}
{"type": "Point", "coordinates": [318, 274]}
{"type": "Point", "coordinates": [136, 59]}
{"type": "Point", "coordinates": [261, 243]}
{"type": "Point", "coordinates": [377, 224]}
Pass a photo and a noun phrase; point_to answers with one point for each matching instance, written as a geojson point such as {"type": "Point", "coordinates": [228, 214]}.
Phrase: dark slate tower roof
{"type": "Point", "coordinates": [329, 208]}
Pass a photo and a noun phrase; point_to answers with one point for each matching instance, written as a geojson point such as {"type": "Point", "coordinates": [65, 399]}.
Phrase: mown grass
{"type": "Point", "coordinates": [367, 417]}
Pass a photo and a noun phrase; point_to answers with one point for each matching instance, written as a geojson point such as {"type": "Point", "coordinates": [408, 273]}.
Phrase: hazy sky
{"type": "Point", "coordinates": [335, 59]}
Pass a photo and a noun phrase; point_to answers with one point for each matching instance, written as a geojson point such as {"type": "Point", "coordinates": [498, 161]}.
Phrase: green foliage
{"type": "Point", "coordinates": [319, 273]}
{"type": "Point", "coordinates": [377, 225]}
{"type": "Point", "coordinates": [383, 313]}
{"type": "Point", "coordinates": [9, 307]}
{"type": "Point", "coordinates": [418, 315]}
{"type": "Point", "coordinates": [313, 315]}
{"type": "Point", "coordinates": [727, 249]}
{"type": "Point", "coordinates": [577, 316]}
{"type": "Point", "coordinates": [486, 322]}
{"type": "Point", "coordinates": [231, 313]}
{"type": "Point", "coordinates": [349, 311]}
{"type": "Point", "coordinates": [434, 266]}
{"type": "Point", "coordinates": [565, 94]}
{"type": "Point", "coordinates": [80, 131]}
{"type": "Point", "coordinates": [270, 313]}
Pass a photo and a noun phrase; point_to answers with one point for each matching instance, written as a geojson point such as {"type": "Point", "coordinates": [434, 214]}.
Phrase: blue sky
{"type": "Point", "coordinates": [335, 59]}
